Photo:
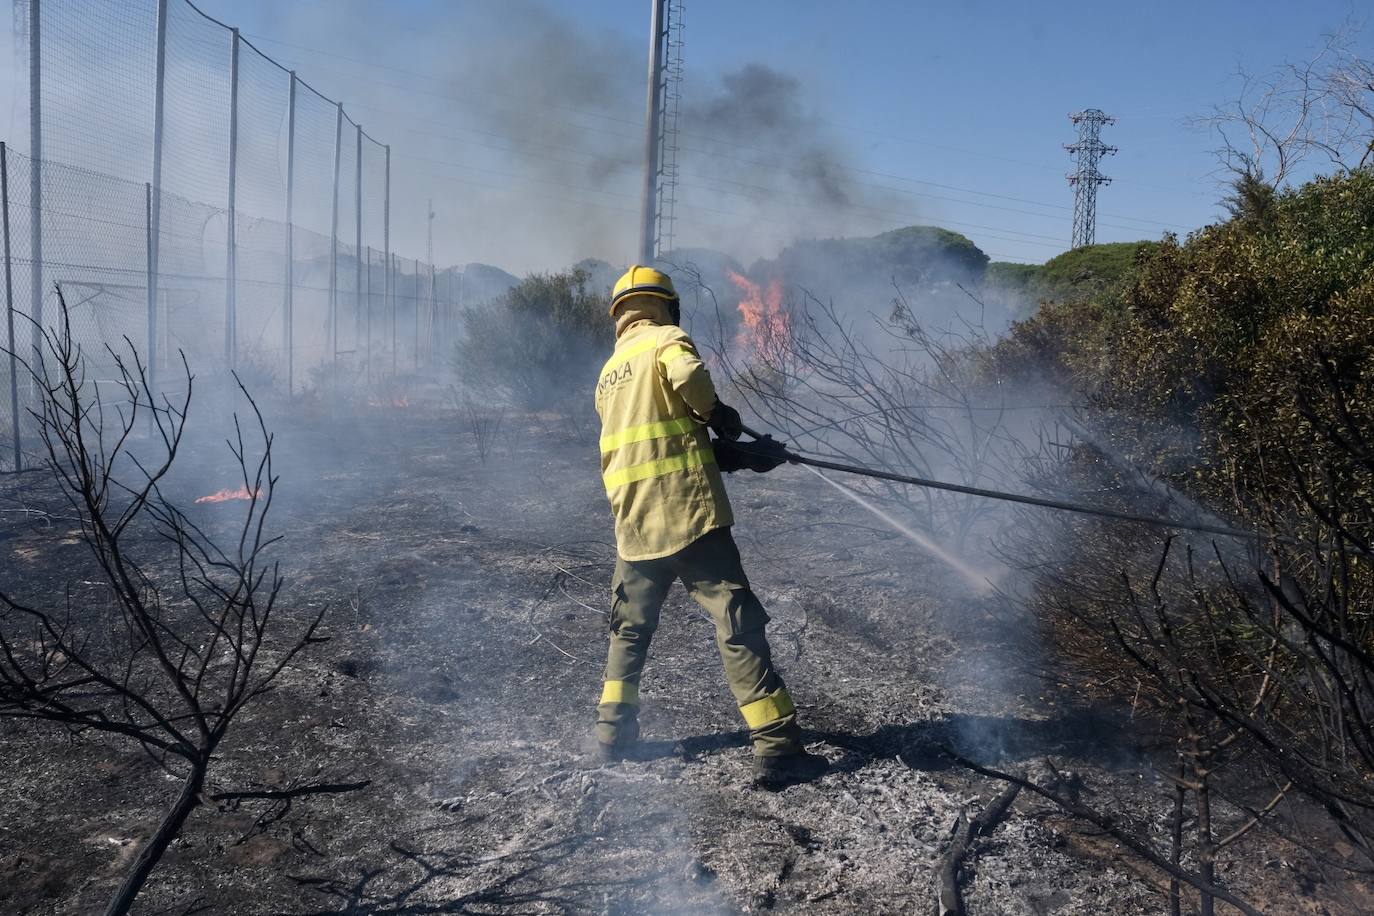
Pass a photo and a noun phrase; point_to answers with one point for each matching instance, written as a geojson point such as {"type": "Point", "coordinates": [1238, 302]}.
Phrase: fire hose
{"type": "Point", "coordinates": [793, 457]}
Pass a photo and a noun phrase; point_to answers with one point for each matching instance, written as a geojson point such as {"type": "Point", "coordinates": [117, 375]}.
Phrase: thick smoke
{"type": "Point", "coordinates": [760, 110]}
{"type": "Point", "coordinates": [561, 107]}
{"type": "Point", "coordinates": [755, 148]}
{"type": "Point", "coordinates": [527, 128]}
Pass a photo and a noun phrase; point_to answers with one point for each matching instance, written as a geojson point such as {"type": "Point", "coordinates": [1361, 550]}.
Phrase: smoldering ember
{"type": "Point", "coordinates": [442, 471]}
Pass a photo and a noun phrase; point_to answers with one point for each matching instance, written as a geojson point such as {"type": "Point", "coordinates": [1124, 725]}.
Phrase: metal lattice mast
{"type": "Point", "coordinates": [1085, 177]}
{"type": "Point", "coordinates": [653, 132]}
{"type": "Point", "coordinates": [668, 147]}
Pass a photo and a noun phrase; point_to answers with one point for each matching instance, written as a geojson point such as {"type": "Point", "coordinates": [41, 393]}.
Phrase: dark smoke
{"type": "Point", "coordinates": [568, 100]}
{"type": "Point", "coordinates": [755, 144]}
{"type": "Point", "coordinates": [530, 138]}
{"type": "Point", "coordinates": [762, 110]}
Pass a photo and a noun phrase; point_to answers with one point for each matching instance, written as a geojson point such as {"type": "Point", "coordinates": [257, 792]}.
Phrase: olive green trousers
{"type": "Point", "coordinates": [710, 569]}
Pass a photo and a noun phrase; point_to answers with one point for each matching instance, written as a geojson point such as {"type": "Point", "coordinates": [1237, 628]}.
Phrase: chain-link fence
{"type": "Point", "coordinates": [191, 194]}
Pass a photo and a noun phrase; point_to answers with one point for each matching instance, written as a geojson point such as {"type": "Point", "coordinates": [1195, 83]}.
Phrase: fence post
{"type": "Point", "coordinates": [288, 302]}
{"type": "Point", "coordinates": [9, 305]}
{"type": "Point", "coordinates": [230, 265]}
{"type": "Point", "coordinates": [459, 311]}
{"type": "Point", "coordinates": [387, 299]}
{"type": "Point", "coordinates": [154, 217]}
{"type": "Point", "coordinates": [334, 239]}
{"type": "Point", "coordinates": [417, 316]}
{"type": "Point", "coordinates": [391, 277]}
{"type": "Point", "coordinates": [36, 173]}
{"type": "Point", "coordinates": [447, 336]}
{"type": "Point", "coordinates": [150, 247]}
{"type": "Point", "coordinates": [358, 234]}
{"type": "Point", "coordinates": [368, 282]}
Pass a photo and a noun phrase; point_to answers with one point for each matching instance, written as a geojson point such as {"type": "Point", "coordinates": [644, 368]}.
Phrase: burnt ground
{"type": "Point", "coordinates": [466, 631]}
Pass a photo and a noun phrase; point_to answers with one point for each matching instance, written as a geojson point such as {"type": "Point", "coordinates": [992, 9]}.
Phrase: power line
{"type": "Point", "coordinates": [743, 218]}
{"type": "Point", "coordinates": [973, 203]}
{"type": "Point", "coordinates": [770, 194]}
{"type": "Point", "coordinates": [766, 193]}
{"type": "Point", "coordinates": [589, 159]}
{"type": "Point", "coordinates": [872, 214]}
{"type": "Point", "coordinates": [484, 102]}
{"type": "Point", "coordinates": [773, 194]}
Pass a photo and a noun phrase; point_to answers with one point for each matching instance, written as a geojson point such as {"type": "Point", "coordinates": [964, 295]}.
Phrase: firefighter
{"type": "Point", "coordinates": [662, 470]}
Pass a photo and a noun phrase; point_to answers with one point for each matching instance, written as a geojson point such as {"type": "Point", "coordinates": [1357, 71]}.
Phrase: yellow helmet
{"type": "Point", "coordinates": [640, 279]}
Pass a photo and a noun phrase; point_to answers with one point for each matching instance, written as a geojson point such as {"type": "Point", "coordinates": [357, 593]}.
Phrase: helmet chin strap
{"type": "Point", "coordinates": [675, 311]}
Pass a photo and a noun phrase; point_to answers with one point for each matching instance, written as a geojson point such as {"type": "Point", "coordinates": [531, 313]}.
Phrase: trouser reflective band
{"type": "Point", "coordinates": [621, 692]}
{"type": "Point", "coordinates": [777, 705]}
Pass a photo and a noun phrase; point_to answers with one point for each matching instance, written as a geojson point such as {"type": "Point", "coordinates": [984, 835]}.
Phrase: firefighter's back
{"type": "Point", "coordinates": [656, 458]}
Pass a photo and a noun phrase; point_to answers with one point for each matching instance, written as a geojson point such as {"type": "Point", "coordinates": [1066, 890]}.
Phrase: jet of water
{"type": "Point", "coordinates": [980, 581]}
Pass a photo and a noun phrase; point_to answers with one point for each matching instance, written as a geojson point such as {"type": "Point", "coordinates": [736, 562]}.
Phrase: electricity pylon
{"type": "Point", "coordinates": [1085, 177]}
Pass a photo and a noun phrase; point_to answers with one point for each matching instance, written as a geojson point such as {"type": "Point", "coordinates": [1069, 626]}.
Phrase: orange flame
{"type": "Point", "coordinates": [766, 323]}
{"type": "Point", "coordinates": [223, 496]}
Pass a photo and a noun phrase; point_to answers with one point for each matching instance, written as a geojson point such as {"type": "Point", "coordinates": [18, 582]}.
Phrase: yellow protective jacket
{"type": "Point", "coordinates": [653, 398]}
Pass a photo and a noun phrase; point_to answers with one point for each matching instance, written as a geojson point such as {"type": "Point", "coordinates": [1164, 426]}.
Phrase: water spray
{"type": "Point", "coordinates": [980, 581]}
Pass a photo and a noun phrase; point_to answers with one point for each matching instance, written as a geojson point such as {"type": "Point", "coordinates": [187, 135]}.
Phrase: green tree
{"type": "Point", "coordinates": [539, 345]}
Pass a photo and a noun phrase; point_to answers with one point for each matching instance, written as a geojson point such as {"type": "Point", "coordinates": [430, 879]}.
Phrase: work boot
{"type": "Point", "coordinates": [612, 753]}
{"type": "Point", "coordinates": [789, 769]}
{"type": "Point", "coordinates": [624, 746]}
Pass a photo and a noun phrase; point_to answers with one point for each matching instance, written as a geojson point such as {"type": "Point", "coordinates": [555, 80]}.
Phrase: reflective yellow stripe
{"type": "Point", "coordinates": [620, 692]}
{"type": "Point", "coordinates": [771, 708]}
{"type": "Point", "coordinates": [673, 351]}
{"type": "Point", "coordinates": [610, 443]}
{"type": "Point", "coordinates": [620, 356]}
{"type": "Point", "coordinates": [695, 458]}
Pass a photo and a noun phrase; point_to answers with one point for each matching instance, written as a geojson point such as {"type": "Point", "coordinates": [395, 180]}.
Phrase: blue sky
{"type": "Point", "coordinates": [522, 118]}
{"type": "Point", "coordinates": [976, 94]}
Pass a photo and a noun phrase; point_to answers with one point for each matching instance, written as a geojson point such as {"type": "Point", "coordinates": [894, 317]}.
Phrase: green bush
{"type": "Point", "coordinates": [1093, 266]}
{"type": "Point", "coordinates": [1011, 275]}
{"type": "Point", "coordinates": [1081, 274]}
{"type": "Point", "coordinates": [1238, 366]}
{"type": "Point", "coordinates": [538, 346]}
{"type": "Point", "coordinates": [1249, 333]}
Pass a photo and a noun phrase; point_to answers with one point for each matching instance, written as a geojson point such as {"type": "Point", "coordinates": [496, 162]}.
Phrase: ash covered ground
{"type": "Point", "coordinates": [467, 632]}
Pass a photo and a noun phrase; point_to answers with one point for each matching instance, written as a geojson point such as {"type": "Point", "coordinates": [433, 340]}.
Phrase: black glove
{"type": "Point", "coordinates": [760, 455]}
{"type": "Point", "coordinates": [725, 421]}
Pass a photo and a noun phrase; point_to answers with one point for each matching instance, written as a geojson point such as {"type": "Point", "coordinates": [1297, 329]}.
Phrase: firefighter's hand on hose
{"type": "Point", "coordinates": [761, 455]}
{"type": "Point", "coordinates": [725, 422]}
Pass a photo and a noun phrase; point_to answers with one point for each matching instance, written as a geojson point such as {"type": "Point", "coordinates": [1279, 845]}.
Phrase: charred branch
{"type": "Point", "coordinates": [323, 788]}
{"type": "Point", "coordinates": [165, 664]}
{"type": "Point", "coordinates": [1109, 824]}
{"type": "Point", "coordinates": [949, 900]}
